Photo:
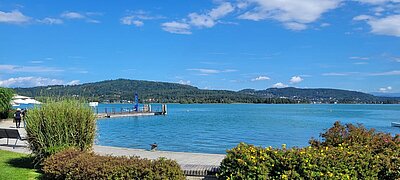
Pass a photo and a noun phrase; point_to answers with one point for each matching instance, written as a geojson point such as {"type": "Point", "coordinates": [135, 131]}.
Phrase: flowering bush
{"type": "Point", "coordinates": [75, 164]}
{"type": "Point", "coordinates": [348, 152]}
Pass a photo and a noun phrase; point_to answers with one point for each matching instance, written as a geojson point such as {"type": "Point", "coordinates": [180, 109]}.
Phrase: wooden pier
{"type": "Point", "coordinates": [112, 112]}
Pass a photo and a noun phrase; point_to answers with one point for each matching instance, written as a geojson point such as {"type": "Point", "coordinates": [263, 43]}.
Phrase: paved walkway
{"type": "Point", "coordinates": [199, 164]}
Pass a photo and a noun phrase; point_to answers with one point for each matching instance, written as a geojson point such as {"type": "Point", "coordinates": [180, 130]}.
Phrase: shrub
{"type": "Point", "coordinates": [5, 99]}
{"type": "Point", "coordinates": [55, 126]}
{"type": "Point", "coordinates": [348, 152]}
{"type": "Point", "coordinates": [74, 164]}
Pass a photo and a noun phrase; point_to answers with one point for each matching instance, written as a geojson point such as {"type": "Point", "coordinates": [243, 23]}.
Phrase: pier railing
{"type": "Point", "coordinates": [146, 108]}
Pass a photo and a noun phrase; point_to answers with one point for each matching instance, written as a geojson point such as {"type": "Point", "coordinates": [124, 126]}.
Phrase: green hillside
{"type": "Point", "coordinates": [320, 95]}
{"type": "Point", "coordinates": [124, 90]}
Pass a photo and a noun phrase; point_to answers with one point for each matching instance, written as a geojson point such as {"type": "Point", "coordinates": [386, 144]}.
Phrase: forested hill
{"type": "Point", "coordinates": [320, 95]}
{"type": "Point", "coordinates": [124, 90]}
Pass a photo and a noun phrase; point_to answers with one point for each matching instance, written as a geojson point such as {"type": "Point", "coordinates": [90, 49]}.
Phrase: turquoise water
{"type": "Point", "coordinates": [213, 128]}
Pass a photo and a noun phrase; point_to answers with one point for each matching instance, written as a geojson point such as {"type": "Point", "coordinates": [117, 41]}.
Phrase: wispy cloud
{"type": "Point", "coordinates": [176, 27]}
{"type": "Point", "coordinates": [205, 20]}
{"type": "Point", "coordinates": [137, 18]}
{"type": "Point", "coordinates": [210, 18]}
{"type": "Point", "coordinates": [359, 58]}
{"type": "Point", "coordinates": [360, 63]}
{"type": "Point", "coordinates": [50, 21]}
{"type": "Point", "coordinates": [31, 69]}
{"type": "Point", "coordinates": [261, 78]}
{"type": "Point", "coordinates": [337, 74]}
{"type": "Point", "coordinates": [13, 17]}
{"type": "Point", "coordinates": [71, 15]}
{"type": "Point", "coordinates": [387, 73]}
{"type": "Point", "coordinates": [36, 62]}
{"type": "Point", "coordinates": [211, 71]}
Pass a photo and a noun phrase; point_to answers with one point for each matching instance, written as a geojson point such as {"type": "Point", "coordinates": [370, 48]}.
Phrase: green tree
{"type": "Point", "coordinates": [5, 99]}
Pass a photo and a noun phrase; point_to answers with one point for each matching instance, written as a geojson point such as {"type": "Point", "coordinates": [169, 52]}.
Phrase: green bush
{"type": "Point", "coordinates": [55, 126]}
{"type": "Point", "coordinates": [74, 164]}
{"type": "Point", "coordinates": [5, 99]}
{"type": "Point", "coordinates": [348, 152]}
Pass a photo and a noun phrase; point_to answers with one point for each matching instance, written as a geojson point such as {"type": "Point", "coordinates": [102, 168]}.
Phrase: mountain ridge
{"type": "Point", "coordinates": [121, 90]}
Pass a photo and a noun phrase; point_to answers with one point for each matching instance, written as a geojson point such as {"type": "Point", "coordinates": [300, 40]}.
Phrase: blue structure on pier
{"type": "Point", "coordinates": [136, 107]}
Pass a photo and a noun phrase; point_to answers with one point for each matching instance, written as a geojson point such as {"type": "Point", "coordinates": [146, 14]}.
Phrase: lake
{"type": "Point", "coordinates": [214, 128]}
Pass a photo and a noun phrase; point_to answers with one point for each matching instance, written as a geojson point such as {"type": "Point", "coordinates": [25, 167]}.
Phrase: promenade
{"type": "Point", "coordinates": [194, 165]}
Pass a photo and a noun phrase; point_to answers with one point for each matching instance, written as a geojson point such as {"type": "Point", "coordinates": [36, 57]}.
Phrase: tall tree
{"type": "Point", "coordinates": [5, 99]}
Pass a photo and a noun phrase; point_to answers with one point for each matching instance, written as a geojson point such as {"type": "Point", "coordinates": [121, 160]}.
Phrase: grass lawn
{"type": "Point", "coordinates": [16, 166]}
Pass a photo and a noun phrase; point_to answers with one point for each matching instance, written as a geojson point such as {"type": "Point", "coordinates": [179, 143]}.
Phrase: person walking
{"type": "Point", "coordinates": [23, 112]}
{"type": "Point", "coordinates": [18, 117]}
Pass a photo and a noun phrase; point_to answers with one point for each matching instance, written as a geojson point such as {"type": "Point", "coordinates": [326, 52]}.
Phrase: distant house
{"type": "Point", "coordinates": [17, 100]}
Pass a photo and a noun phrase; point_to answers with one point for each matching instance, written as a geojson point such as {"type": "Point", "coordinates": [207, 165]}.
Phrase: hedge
{"type": "Point", "coordinates": [348, 152]}
{"type": "Point", "coordinates": [75, 164]}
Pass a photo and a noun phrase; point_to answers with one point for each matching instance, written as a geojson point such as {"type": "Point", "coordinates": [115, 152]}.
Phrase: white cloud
{"type": "Point", "coordinates": [279, 85]}
{"type": "Point", "coordinates": [389, 25]}
{"type": "Point", "coordinates": [137, 18]}
{"type": "Point", "coordinates": [261, 78]}
{"type": "Point", "coordinates": [325, 25]}
{"type": "Point", "coordinates": [176, 27]}
{"type": "Point", "coordinates": [73, 82]}
{"type": "Point", "coordinates": [295, 26]}
{"type": "Point", "coordinates": [385, 89]}
{"type": "Point", "coordinates": [184, 82]}
{"type": "Point", "coordinates": [388, 73]}
{"type": "Point", "coordinates": [294, 14]}
{"type": "Point", "coordinates": [13, 17]}
{"type": "Point", "coordinates": [296, 79]}
{"type": "Point", "coordinates": [362, 17]}
{"type": "Point", "coordinates": [209, 19]}
{"type": "Point", "coordinates": [206, 72]}
{"type": "Point", "coordinates": [80, 16]}
{"type": "Point", "coordinates": [51, 21]}
{"type": "Point", "coordinates": [72, 15]}
{"type": "Point", "coordinates": [32, 69]}
{"type": "Point", "coordinates": [36, 62]}
{"type": "Point", "coordinates": [130, 20]}
{"type": "Point", "coordinates": [206, 20]}
{"type": "Point", "coordinates": [29, 82]}
{"type": "Point", "coordinates": [335, 74]}
{"type": "Point", "coordinates": [376, 2]}
{"type": "Point", "coordinates": [359, 58]}
{"type": "Point", "coordinates": [138, 23]}
{"type": "Point", "coordinates": [360, 63]}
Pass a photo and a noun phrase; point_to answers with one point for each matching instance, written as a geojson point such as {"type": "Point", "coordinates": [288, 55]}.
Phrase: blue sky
{"type": "Point", "coordinates": [209, 44]}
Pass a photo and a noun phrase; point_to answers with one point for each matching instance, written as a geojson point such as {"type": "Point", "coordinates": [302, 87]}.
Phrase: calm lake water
{"type": "Point", "coordinates": [214, 128]}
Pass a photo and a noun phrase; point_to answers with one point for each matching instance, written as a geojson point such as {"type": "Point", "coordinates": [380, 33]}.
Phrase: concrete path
{"type": "Point", "coordinates": [193, 164]}
{"type": "Point", "coordinates": [180, 157]}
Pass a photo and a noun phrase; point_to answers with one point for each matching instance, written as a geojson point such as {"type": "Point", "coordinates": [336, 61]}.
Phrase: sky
{"type": "Point", "coordinates": [210, 44]}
